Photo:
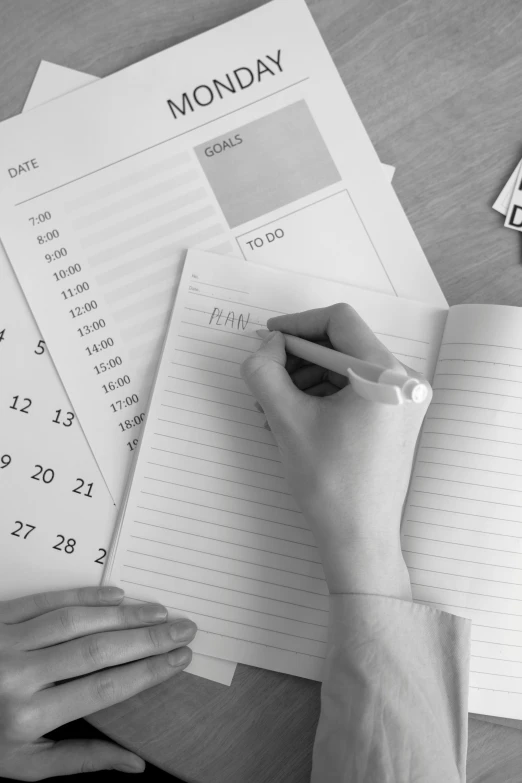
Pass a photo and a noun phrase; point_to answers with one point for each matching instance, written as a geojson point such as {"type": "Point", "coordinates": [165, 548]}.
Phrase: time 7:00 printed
{"type": "Point", "coordinates": [92, 327]}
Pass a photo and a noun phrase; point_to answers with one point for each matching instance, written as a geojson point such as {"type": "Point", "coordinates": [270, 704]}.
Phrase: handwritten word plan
{"type": "Point", "coordinates": [244, 153]}
{"type": "Point", "coordinates": [210, 527]}
{"type": "Point", "coordinates": [57, 512]}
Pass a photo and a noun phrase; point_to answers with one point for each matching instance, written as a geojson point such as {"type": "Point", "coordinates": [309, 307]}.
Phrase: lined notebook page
{"type": "Point", "coordinates": [210, 528]}
{"type": "Point", "coordinates": [462, 529]}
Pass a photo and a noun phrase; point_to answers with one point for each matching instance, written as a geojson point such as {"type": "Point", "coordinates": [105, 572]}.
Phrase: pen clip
{"type": "Point", "coordinates": [384, 390]}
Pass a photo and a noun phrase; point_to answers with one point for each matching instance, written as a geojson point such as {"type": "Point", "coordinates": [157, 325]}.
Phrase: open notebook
{"type": "Point", "coordinates": [210, 529]}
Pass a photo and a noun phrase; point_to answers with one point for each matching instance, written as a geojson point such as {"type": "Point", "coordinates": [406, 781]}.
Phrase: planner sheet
{"type": "Point", "coordinates": [242, 140]}
{"type": "Point", "coordinates": [503, 199]}
{"type": "Point", "coordinates": [57, 511]}
{"type": "Point", "coordinates": [462, 537]}
{"type": "Point", "coordinates": [210, 527]}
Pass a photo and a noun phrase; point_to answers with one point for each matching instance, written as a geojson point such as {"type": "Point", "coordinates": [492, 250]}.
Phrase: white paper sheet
{"type": "Point", "coordinates": [57, 512]}
{"type": "Point", "coordinates": [504, 197]}
{"type": "Point", "coordinates": [130, 182]}
{"type": "Point", "coordinates": [210, 525]}
{"type": "Point", "coordinates": [462, 537]}
{"type": "Point", "coordinates": [513, 211]}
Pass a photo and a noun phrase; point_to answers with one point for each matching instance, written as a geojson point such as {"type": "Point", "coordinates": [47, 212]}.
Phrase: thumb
{"type": "Point", "coordinates": [265, 375]}
{"type": "Point", "coordinates": [68, 757]}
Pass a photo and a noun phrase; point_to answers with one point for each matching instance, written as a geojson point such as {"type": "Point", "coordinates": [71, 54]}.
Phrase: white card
{"type": "Point", "coordinates": [514, 210]}
{"type": "Point", "coordinates": [504, 197]}
{"type": "Point", "coordinates": [58, 514]}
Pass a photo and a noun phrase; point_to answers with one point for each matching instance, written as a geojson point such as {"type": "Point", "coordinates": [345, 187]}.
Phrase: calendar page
{"type": "Point", "coordinates": [57, 513]}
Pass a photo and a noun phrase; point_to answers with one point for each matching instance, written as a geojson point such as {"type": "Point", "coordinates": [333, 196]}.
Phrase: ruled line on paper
{"type": "Point", "coordinates": [233, 590]}
{"type": "Point", "coordinates": [465, 513]}
{"type": "Point", "coordinates": [218, 462]}
{"type": "Point", "coordinates": [462, 560]}
{"type": "Point", "coordinates": [207, 356]}
{"type": "Point", "coordinates": [473, 421]}
{"type": "Point", "coordinates": [470, 375]}
{"type": "Point", "coordinates": [461, 497]}
{"type": "Point", "coordinates": [476, 407]}
{"type": "Point", "coordinates": [243, 576]}
{"type": "Point", "coordinates": [228, 556]}
{"type": "Point", "coordinates": [467, 483]}
{"type": "Point", "coordinates": [254, 533]}
{"type": "Point", "coordinates": [476, 391]}
{"type": "Point", "coordinates": [207, 385]}
{"type": "Point", "coordinates": [485, 345]}
{"type": "Point", "coordinates": [216, 432]}
{"type": "Point", "coordinates": [215, 402]}
{"type": "Point", "coordinates": [479, 361]}
{"type": "Point", "coordinates": [225, 495]}
{"type": "Point", "coordinates": [468, 592]}
{"type": "Point", "coordinates": [228, 511]}
{"type": "Point", "coordinates": [228, 636]}
{"type": "Point", "coordinates": [216, 617]}
{"type": "Point", "coordinates": [466, 467]}
{"type": "Point", "coordinates": [459, 543]}
{"type": "Point", "coordinates": [224, 331]}
{"type": "Point", "coordinates": [463, 576]}
{"type": "Point", "coordinates": [220, 478]}
{"type": "Point", "coordinates": [205, 369]}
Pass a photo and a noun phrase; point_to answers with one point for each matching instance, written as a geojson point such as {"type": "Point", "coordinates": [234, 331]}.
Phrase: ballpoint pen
{"type": "Point", "coordinates": [369, 380]}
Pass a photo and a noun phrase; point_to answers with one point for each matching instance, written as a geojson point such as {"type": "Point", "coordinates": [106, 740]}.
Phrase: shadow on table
{"type": "Point", "coordinates": [80, 729]}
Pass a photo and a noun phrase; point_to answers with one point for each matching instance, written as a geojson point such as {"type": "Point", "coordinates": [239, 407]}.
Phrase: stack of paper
{"type": "Point", "coordinates": [255, 152]}
{"type": "Point", "coordinates": [509, 200]}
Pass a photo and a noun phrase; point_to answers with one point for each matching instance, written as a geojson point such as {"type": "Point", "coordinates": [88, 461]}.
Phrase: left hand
{"type": "Point", "coordinates": [67, 654]}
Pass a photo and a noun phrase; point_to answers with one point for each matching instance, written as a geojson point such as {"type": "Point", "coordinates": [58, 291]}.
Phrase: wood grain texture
{"type": "Point", "coordinates": [439, 88]}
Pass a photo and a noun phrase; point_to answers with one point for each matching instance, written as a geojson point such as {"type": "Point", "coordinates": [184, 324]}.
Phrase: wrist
{"type": "Point", "coordinates": [373, 567]}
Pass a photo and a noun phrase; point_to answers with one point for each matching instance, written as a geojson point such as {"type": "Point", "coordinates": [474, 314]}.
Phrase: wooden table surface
{"type": "Point", "coordinates": [439, 88]}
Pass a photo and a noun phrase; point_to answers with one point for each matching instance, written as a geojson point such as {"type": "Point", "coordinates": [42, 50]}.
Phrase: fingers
{"type": "Point", "coordinates": [72, 700]}
{"type": "Point", "coordinates": [19, 609]}
{"type": "Point", "coordinates": [265, 374]}
{"type": "Point", "coordinates": [103, 650]}
{"type": "Point", "coordinates": [311, 375]}
{"type": "Point", "coordinates": [69, 757]}
{"type": "Point", "coordinates": [325, 389]}
{"type": "Point", "coordinates": [343, 326]}
{"type": "Point", "coordinates": [70, 622]}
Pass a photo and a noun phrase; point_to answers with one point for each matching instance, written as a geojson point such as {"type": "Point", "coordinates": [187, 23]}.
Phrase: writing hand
{"type": "Point", "coordinates": [111, 652]}
{"type": "Point", "coordinates": [347, 460]}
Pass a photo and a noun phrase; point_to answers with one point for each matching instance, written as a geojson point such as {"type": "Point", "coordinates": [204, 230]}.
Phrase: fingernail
{"type": "Point", "coordinates": [139, 766]}
{"type": "Point", "coordinates": [110, 594]}
{"type": "Point", "coordinates": [152, 614]}
{"type": "Point", "coordinates": [179, 657]}
{"type": "Point", "coordinates": [182, 630]}
{"type": "Point", "coordinates": [265, 334]}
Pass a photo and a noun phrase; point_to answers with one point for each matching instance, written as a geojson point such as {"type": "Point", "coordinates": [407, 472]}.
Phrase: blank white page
{"type": "Point", "coordinates": [210, 528]}
{"type": "Point", "coordinates": [462, 529]}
